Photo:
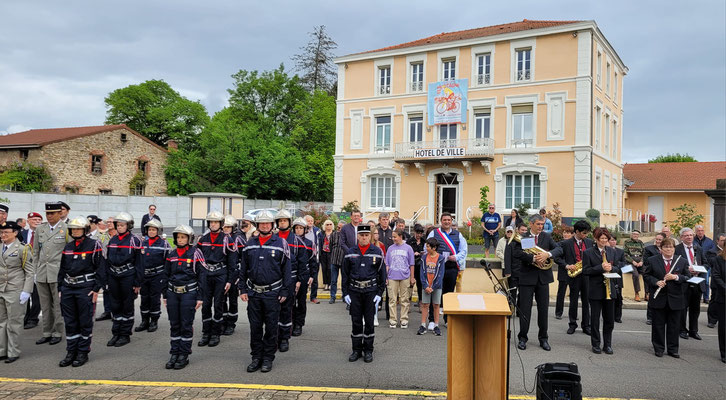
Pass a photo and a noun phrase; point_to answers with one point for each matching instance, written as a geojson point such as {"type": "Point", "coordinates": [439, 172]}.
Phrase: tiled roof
{"type": "Point", "coordinates": [674, 176]}
{"type": "Point", "coordinates": [476, 33]}
{"type": "Point", "coordinates": [42, 137]}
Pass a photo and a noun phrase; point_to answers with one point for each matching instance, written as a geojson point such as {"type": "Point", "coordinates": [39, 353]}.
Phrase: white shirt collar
{"type": "Point", "coordinates": [52, 227]}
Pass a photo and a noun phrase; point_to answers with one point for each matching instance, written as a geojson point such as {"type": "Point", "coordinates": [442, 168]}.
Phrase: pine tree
{"type": "Point", "coordinates": [315, 62]}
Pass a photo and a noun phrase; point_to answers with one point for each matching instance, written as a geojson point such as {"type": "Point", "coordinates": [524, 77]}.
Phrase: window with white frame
{"type": "Point", "coordinates": [599, 68]}
{"type": "Point", "coordinates": [606, 141]}
{"type": "Point", "coordinates": [384, 80]}
{"type": "Point", "coordinates": [606, 194]}
{"type": "Point", "coordinates": [415, 128]}
{"type": "Point", "coordinates": [614, 193]}
{"type": "Point", "coordinates": [522, 188]}
{"type": "Point", "coordinates": [447, 135]}
{"type": "Point", "coordinates": [607, 79]}
{"type": "Point", "coordinates": [483, 68]}
{"type": "Point", "coordinates": [482, 123]}
{"type": "Point", "coordinates": [598, 191]}
{"type": "Point", "coordinates": [448, 66]}
{"type": "Point", "coordinates": [383, 134]}
{"type": "Point", "coordinates": [522, 132]}
{"type": "Point", "coordinates": [615, 140]}
{"type": "Point", "coordinates": [382, 191]}
{"type": "Point", "coordinates": [139, 189]}
{"type": "Point", "coordinates": [598, 126]}
{"type": "Point", "coordinates": [524, 64]}
{"type": "Point", "coordinates": [615, 87]}
{"type": "Point", "coordinates": [417, 77]}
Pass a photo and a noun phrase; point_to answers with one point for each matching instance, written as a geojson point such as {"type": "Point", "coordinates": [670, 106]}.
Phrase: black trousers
{"type": "Point", "coordinates": [711, 312]}
{"type": "Point", "coordinates": [325, 266]}
{"type": "Point", "coordinates": [362, 308]}
{"type": "Point", "coordinates": [284, 322]}
{"type": "Point", "coordinates": [720, 311]}
{"type": "Point", "coordinates": [619, 302]}
{"type": "Point", "coordinates": [560, 301]}
{"type": "Point", "coordinates": [181, 308]}
{"type": "Point", "coordinates": [417, 277]}
{"type": "Point", "coordinates": [150, 293]}
{"type": "Point", "coordinates": [106, 301]}
{"type": "Point", "coordinates": [313, 287]}
{"type": "Point", "coordinates": [607, 309]}
{"type": "Point", "coordinates": [213, 299]}
{"type": "Point", "coordinates": [513, 283]}
{"type": "Point", "coordinates": [541, 293]}
{"type": "Point", "coordinates": [230, 306]}
{"type": "Point", "coordinates": [33, 308]}
{"type": "Point", "coordinates": [448, 286]}
{"type": "Point", "coordinates": [579, 290]}
{"type": "Point", "coordinates": [263, 314]}
{"type": "Point", "coordinates": [77, 308]}
{"type": "Point", "coordinates": [665, 329]}
{"type": "Point", "coordinates": [121, 299]}
{"type": "Point", "coordinates": [692, 310]}
{"type": "Point", "coordinates": [299, 306]}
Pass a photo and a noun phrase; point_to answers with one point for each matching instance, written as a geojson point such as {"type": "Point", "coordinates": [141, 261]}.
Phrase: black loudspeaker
{"type": "Point", "coordinates": [558, 381]}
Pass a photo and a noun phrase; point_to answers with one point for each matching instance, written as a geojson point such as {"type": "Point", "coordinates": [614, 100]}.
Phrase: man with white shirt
{"type": "Point", "coordinates": [693, 255]}
{"type": "Point", "coordinates": [452, 244]}
{"type": "Point", "coordinates": [33, 308]}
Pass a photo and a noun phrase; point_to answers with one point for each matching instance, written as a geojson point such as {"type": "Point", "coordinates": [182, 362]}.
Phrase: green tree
{"type": "Point", "coordinates": [26, 177]}
{"type": "Point", "coordinates": [315, 62]}
{"type": "Point", "coordinates": [158, 112]}
{"type": "Point", "coordinates": [677, 157]}
{"type": "Point", "coordinates": [183, 173]}
{"type": "Point", "coordinates": [686, 216]}
{"type": "Point", "coordinates": [484, 202]}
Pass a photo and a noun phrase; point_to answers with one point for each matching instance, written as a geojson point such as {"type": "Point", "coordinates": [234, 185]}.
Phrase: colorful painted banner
{"type": "Point", "coordinates": [447, 102]}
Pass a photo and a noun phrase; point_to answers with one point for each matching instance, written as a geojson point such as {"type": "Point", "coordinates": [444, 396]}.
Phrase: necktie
{"type": "Point", "coordinates": [667, 266]}
{"type": "Point", "coordinates": [602, 253]}
{"type": "Point", "coordinates": [690, 254]}
{"type": "Point", "coordinates": [535, 239]}
{"type": "Point", "coordinates": [5, 247]}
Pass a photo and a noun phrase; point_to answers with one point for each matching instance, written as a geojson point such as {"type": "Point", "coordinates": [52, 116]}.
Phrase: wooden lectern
{"type": "Point", "coordinates": [476, 345]}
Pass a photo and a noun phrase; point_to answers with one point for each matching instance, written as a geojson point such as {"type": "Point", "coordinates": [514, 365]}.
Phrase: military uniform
{"type": "Point", "coordinates": [125, 272]}
{"type": "Point", "coordinates": [16, 276]}
{"type": "Point", "coordinates": [298, 273]}
{"type": "Point", "coordinates": [230, 305]}
{"type": "Point", "coordinates": [48, 244]}
{"type": "Point", "coordinates": [306, 269]}
{"type": "Point", "coordinates": [154, 252]}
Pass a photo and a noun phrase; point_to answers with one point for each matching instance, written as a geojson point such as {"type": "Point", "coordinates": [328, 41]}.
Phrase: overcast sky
{"type": "Point", "coordinates": [58, 60]}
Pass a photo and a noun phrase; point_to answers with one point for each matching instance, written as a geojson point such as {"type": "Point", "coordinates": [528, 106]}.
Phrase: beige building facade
{"type": "Point", "coordinates": [543, 123]}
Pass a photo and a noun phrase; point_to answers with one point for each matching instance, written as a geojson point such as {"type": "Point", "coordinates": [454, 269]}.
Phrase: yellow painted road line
{"type": "Point", "coordinates": [253, 386]}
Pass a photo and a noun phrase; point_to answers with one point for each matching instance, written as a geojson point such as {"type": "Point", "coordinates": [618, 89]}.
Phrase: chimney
{"type": "Point", "coordinates": [171, 144]}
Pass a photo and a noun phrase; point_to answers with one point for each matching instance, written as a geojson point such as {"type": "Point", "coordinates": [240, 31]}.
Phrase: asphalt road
{"type": "Point", "coordinates": [402, 359]}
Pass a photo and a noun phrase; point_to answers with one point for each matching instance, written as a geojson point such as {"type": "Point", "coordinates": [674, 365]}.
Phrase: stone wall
{"type": "Point", "coordinates": [10, 156]}
{"type": "Point", "coordinates": [69, 162]}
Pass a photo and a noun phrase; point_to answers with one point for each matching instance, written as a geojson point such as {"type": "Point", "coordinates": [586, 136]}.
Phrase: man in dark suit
{"type": "Point", "coordinates": [602, 291]}
{"type": "Point", "coordinates": [534, 281]}
{"type": "Point", "coordinates": [572, 252]}
{"type": "Point", "coordinates": [148, 217]}
{"type": "Point", "coordinates": [648, 252]}
{"type": "Point", "coordinates": [719, 244]}
{"type": "Point", "coordinates": [513, 266]}
{"type": "Point", "coordinates": [618, 262]}
{"type": "Point", "coordinates": [562, 277]}
{"type": "Point", "coordinates": [718, 291]}
{"type": "Point", "coordinates": [668, 272]}
{"type": "Point", "coordinates": [693, 255]}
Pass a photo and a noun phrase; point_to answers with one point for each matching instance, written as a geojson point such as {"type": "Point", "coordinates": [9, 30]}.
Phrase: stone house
{"type": "Point", "coordinates": [108, 159]}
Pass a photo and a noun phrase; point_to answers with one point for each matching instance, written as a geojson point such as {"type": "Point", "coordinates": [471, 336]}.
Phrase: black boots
{"type": "Point", "coordinates": [172, 361]}
{"type": "Point", "coordinates": [213, 340]}
{"type": "Point", "coordinates": [181, 361]}
{"type": "Point", "coordinates": [368, 356]}
{"type": "Point", "coordinates": [68, 360]}
{"type": "Point", "coordinates": [297, 330]}
{"type": "Point", "coordinates": [284, 345]}
{"type": "Point", "coordinates": [355, 355]}
{"type": "Point", "coordinates": [254, 365]}
{"type": "Point", "coordinates": [122, 341]}
{"type": "Point", "coordinates": [203, 341]}
{"type": "Point", "coordinates": [143, 326]}
{"type": "Point", "coordinates": [81, 359]}
{"type": "Point", "coordinates": [113, 341]}
{"type": "Point", "coordinates": [266, 366]}
{"type": "Point", "coordinates": [228, 330]}
{"type": "Point", "coordinates": [153, 326]}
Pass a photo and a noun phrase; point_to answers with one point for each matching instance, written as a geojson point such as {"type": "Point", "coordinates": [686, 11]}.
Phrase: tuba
{"type": "Point", "coordinates": [534, 251]}
{"type": "Point", "coordinates": [576, 271]}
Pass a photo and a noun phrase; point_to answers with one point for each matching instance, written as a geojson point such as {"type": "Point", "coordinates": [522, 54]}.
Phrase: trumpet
{"type": "Point", "coordinates": [607, 280]}
{"type": "Point", "coordinates": [576, 271]}
{"type": "Point", "coordinates": [534, 251]}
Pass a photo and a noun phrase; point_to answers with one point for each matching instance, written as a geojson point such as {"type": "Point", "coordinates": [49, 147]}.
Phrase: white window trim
{"type": "Point", "coordinates": [445, 55]}
{"type": "Point", "coordinates": [522, 99]}
{"type": "Point", "coordinates": [608, 89]}
{"type": "Point", "coordinates": [437, 130]}
{"type": "Point", "coordinates": [606, 208]}
{"type": "Point", "coordinates": [356, 138]}
{"type": "Point", "coordinates": [501, 184]}
{"type": "Point", "coordinates": [377, 64]}
{"type": "Point", "coordinates": [476, 50]}
{"type": "Point", "coordinates": [598, 126]}
{"type": "Point", "coordinates": [607, 138]}
{"type": "Point", "coordinates": [381, 112]}
{"type": "Point", "coordinates": [408, 110]}
{"type": "Point", "coordinates": [473, 104]}
{"type": "Point", "coordinates": [615, 85]}
{"type": "Point", "coordinates": [598, 69]}
{"type": "Point", "coordinates": [519, 44]}
{"type": "Point", "coordinates": [415, 58]}
{"type": "Point", "coordinates": [614, 197]}
{"type": "Point", "coordinates": [365, 189]}
{"type": "Point", "coordinates": [431, 179]}
{"type": "Point", "coordinates": [597, 190]}
{"type": "Point", "coordinates": [551, 98]}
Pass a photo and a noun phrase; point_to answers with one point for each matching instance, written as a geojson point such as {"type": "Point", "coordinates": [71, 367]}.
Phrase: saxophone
{"type": "Point", "coordinates": [607, 280]}
{"type": "Point", "coordinates": [534, 251]}
{"type": "Point", "coordinates": [576, 271]}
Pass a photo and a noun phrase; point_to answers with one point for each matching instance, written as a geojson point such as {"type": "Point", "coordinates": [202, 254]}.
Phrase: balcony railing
{"type": "Point", "coordinates": [384, 89]}
{"type": "Point", "coordinates": [417, 86]}
{"type": "Point", "coordinates": [445, 149]}
{"type": "Point", "coordinates": [523, 75]}
{"type": "Point", "coordinates": [483, 79]}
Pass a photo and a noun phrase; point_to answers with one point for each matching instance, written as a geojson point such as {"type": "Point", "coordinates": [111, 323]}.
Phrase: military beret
{"type": "Point", "coordinates": [34, 215]}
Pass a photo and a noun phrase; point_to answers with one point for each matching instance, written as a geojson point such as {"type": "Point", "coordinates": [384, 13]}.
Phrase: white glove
{"type": "Point", "coordinates": [377, 299]}
{"type": "Point", "coordinates": [24, 296]}
{"type": "Point", "coordinates": [347, 299]}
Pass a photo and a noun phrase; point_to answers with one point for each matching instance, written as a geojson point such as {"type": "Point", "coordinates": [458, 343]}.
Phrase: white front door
{"type": "Point", "coordinates": [655, 207]}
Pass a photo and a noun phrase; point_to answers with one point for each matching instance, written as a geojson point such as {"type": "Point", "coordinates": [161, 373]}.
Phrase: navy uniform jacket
{"type": "Point", "coordinates": [569, 255]}
{"type": "Point", "coordinates": [265, 264]}
{"type": "Point", "coordinates": [360, 266]}
{"type": "Point", "coordinates": [673, 292]}
{"type": "Point", "coordinates": [592, 267]}
{"type": "Point", "coordinates": [718, 279]}
{"type": "Point", "coordinates": [306, 261]}
{"type": "Point", "coordinates": [298, 258]}
{"type": "Point", "coordinates": [185, 269]}
{"type": "Point", "coordinates": [698, 259]}
{"type": "Point", "coordinates": [82, 257]}
{"type": "Point", "coordinates": [154, 254]}
{"type": "Point", "coordinates": [123, 250]}
{"type": "Point", "coordinates": [221, 250]}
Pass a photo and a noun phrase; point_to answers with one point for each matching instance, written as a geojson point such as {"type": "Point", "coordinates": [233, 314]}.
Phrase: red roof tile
{"type": "Point", "coordinates": [674, 176]}
{"type": "Point", "coordinates": [42, 137]}
{"type": "Point", "coordinates": [444, 37]}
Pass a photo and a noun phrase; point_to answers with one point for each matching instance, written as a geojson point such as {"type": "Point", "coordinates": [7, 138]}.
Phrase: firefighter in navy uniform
{"type": "Point", "coordinates": [183, 295]}
{"type": "Point", "coordinates": [154, 252]}
{"type": "Point", "coordinates": [306, 268]}
{"type": "Point", "coordinates": [264, 279]}
{"type": "Point", "coordinates": [231, 299]}
{"type": "Point", "coordinates": [125, 273]}
{"type": "Point", "coordinates": [283, 220]}
{"type": "Point", "coordinates": [364, 279]}
{"type": "Point", "coordinates": [220, 256]}
{"type": "Point", "coordinates": [81, 275]}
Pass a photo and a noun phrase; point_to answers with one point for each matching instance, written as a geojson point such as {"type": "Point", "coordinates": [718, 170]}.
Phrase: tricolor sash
{"type": "Point", "coordinates": [447, 240]}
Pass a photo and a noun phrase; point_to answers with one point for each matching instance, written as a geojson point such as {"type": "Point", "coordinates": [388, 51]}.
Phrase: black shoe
{"type": "Point", "coordinates": [596, 350]}
{"type": "Point", "coordinates": [544, 345]}
{"type": "Point", "coordinates": [81, 359]}
{"type": "Point", "coordinates": [710, 325]}
{"type": "Point", "coordinates": [659, 354]}
{"type": "Point", "coordinates": [214, 340]}
{"type": "Point", "coordinates": [228, 331]}
{"type": "Point", "coordinates": [11, 360]}
{"type": "Point", "coordinates": [142, 327]}
{"type": "Point", "coordinates": [284, 345]}
{"type": "Point", "coordinates": [347, 307]}
{"type": "Point", "coordinates": [684, 335]}
{"type": "Point", "coordinates": [68, 360]}
{"type": "Point", "coordinates": [266, 366]}
{"type": "Point", "coordinates": [296, 330]}
{"type": "Point", "coordinates": [172, 361]}
{"type": "Point", "coordinates": [608, 350]}
{"type": "Point", "coordinates": [30, 325]}
{"type": "Point", "coordinates": [104, 316]}
{"type": "Point", "coordinates": [571, 330]}
{"type": "Point", "coordinates": [619, 321]}
{"type": "Point", "coordinates": [421, 330]}
{"type": "Point", "coordinates": [122, 341]}
{"type": "Point", "coordinates": [522, 345]}
{"type": "Point", "coordinates": [355, 355]}
{"type": "Point", "coordinates": [558, 316]}
{"type": "Point", "coordinates": [674, 355]}
{"type": "Point", "coordinates": [587, 331]}
{"type": "Point", "coordinates": [332, 300]}
{"type": "Point", "coordinates": [254, 365]}
{"type": "Point", "coordinates": [54, 340]}
{"type": "Point", "coordinates": [113, 341]}
{"type": "Point", "coordinates": [648, 322]}
{"type": "Point", "coordinates": [181, 362]}
{"type": "Point", "coordinates": [153, 326]}
{"type": "Point", "coordinates": [3, 358]}
{"type": "Point", "coordinates": [368, 356]}
{"type": "Point", "coordinates": [42, 340]}
{"type": "Point", "coordinates": [723, 360]}
{"type": "Point", "coordinates": [695, 335]}
{"type": "Point", "coordinates": [203, 341]}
